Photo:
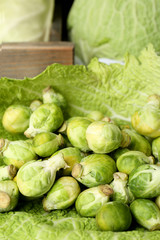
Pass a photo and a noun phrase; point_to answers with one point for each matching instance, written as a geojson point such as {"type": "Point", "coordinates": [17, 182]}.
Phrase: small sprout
{"type": "Point", "coordinates": [114, 216]}
{"type": "Point", "coordinates": [91, 200]}
{"type": "Point", "coordinates": [95, 115]}
{"type": "Point", "coordinates": [132, 159]}
{"type": "Point", "coordinates": [156, 148]}
{"type": "Point", "coordinates": [50, 96]}
{"type": "Point", "coordinates": [146, 213]}
{"type": "Point", "coordinates": [76, 132]}
{"type": "Point", "coordinates": [144, 181]}
{"type": "Point", "coordinates": [46, 143]}
{"type": "Point", "coordinates": [103, 137]}
{"type": "Point", "coordinates": [35, 104]}
{"type": "Point", "coordinates": [138, 142]}
{"type": "Point", "coordinates": [9, 195]}
{"type": "Point", "coordinates": [7, 172]}
{"type": "Point", "coordinates": [62, 195]}
{"type": "Point", "coordinates": [17, 152]}
{"type": "Point", "coordinates": [35, 178]}
{"type": "Point", "coordinates": [46, 118]}
{"type": "Point", "coordinates": [146, 121]}
{"type": "Point", "coordinates": [16, 118]}
{"type": "Point", "coordinates": [120, 188]}
{"type": "Point", "coordinates": [118, 152]}
{"type": "Point", "coordinates": [71, 156]}
{"type": "Point", "coordinates": [94, 170]}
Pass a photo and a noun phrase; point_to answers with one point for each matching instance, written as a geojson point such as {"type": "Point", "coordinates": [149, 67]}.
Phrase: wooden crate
{"type": "Point", "coordinates": [19, 60]}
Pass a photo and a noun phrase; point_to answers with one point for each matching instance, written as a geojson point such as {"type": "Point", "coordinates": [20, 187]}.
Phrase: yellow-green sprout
{"type": "Point", "coordinates": [46, 143]}
{"type": "Point", "coordinates": [62, 195]}
{"type": "Point", "coordinates": [76, 132]}
{"type": "Point", "coordinates": [132, 159]}
{"type": "Point", "coordinates": [114, 216]}
{"type": "Point", "coordinates": [17, 152]}
{"type": "Point", "coordinates": [9, 195]}
{"type": "Point", "coordinates": [146, 213]}
{"type": "Point", "coordinates": [94, 170]}
{"type": "Point", "coordinates": [16, 118]}
{"type": "Point", "coordinates": [103, 137]}
{"type": "Point", "coordinates": [7, 172]}
{"type": "Point", "coordinates": [46, 118]}
{"type": "Point", "coordinates": [35, 178]}
{"type": "Point", "coordinates": [146, 121]}
{"type": "Point", "coordinates": [92, 199]}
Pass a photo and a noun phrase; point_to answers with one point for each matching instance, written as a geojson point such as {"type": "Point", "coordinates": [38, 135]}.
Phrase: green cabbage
{"type": "Point", "coordinates": [22, 21]}
{"type": "Point", "coordinates": [105, 28]}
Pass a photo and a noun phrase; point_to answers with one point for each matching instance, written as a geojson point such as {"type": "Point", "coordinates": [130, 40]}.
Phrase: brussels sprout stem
{"type": "Point", "coordinates": [106, 189]}
{"type": "Point", "coordinates": [61, 141]}
{"type": "Point", "coordinates": [77, 170]}
{"type": "Point", "coordinates": [155, 227]}
{"type": "Point", "coordinates": [4, 200]}
{"type": "Point", "coordinates": [3, 144]}
{"type": "Point", "coordinates": [12, 170]}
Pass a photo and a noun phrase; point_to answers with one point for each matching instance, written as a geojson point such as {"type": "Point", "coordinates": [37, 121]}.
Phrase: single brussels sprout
{"type": "Point", "coordinates": [156, 148]}
{"type": "Point", "coordinates": [144, 182]}
{"type": "Point", "coordinates": [46, 143]}
{"type": "Point", "coordinates": [76, 132]}
{"type": "Point", "coordinates": [114, 216]}
{"type": "Point", "coordinates": [62, 195]}
{"type": "Point", "coordinates": [132, 159]}
{"type": "Point", "coordinates": [9, 195]}
{"type": "Point", "coordinates": [91, 200]}
{"type": "Point", "coordinates": [118, 152]}
{"type": "Point", "coordinates": [146, 121]}
{"type": "Point", "coordinates": [120, 189]}
{"type": "Point", "coordinates": [95, 115]}
{"type": "Point", "coordinates": [16, 118]}
{"type": "Point", "coordinates": [46, 118]}
{"type": "Point", "coordinates": [50, 96]}
{"type": "Point", "coordinates": [35, 104]}
{"type": "Point", "coordinates": [94, 170]}
{"type": "Point", "coordinates": [103, 137]}
{"type": "Point", "coordinates": [7, 172]}
{"type": "Point", "coordinates": [35, 178]}
{"type": "Point", "coordinates": [17, 152]}
{"type": "Point", "coordinates": [138, 142]}
{"type": "Point", "coordinates": [71, 156]}
{"type": "Point", "coordinates": [146, 213]}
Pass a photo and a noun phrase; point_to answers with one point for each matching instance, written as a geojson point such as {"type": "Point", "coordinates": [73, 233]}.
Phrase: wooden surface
{"type": "Point", "coordinates": [19, 60]}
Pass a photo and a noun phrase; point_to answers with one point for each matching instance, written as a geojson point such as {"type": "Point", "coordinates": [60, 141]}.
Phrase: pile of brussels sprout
{"type": "Point", "coordinates": [106, 171]}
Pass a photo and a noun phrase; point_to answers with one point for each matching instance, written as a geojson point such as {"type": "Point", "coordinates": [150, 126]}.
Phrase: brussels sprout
{"type": "Point", "coordinates": [46, 143]}
{"type": "Point", "coordinates": [9, 195]}
{"type": "Point", "coordinates": [94, 170]}
{"type": "Point", "coordinates": [35, 104]}
{"type": "Point", "coordinates": [76, 132]}
{"type": "Point", "coordinates": [50, 96]}
{"type": "Point", "coordinates": [138, 142]}
{"type": "Point", "coordinates": [132, 159]}
{"type": "Point", "coordinates": [17, 152]}
{"type": "Point", "coordinates": [7, 172]}
{"type": "Point", "coordinates": [35, 178]}
{"type": "Point", "coordinates": [103, 137]}
{"type": "Point", "coordinates": [114, 216]}
{"type": "Point", "coordinates": [156, 148]}
{"type": "Point", "coordinates": [146, 121]}
{"type": "Point", "coordinates": [62, 195]}
{"type": "Point", "coordinates": [16, 118]}
{"type": "Point", "coordinates": [146, 213]}
{"type": "Point", "coordinates": [71, 156]}
{"type": "Point", "coordinates": [144, 182]}
{"type": "Point", "coordinates": [118, 152]}
{"type": "Point", "coordinates": [46, 118]}
{"type": "Point", "coordinates": [95, 115]}
{"type": "Point", "coordinates": [120, 189]}
{"type": "Point", "coordinates": [91, 200]}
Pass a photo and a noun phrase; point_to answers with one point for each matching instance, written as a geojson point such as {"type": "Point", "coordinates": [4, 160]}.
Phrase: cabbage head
{"type": "Point", "coordinates": [22, 21]}
{"type": "Point", "coordinates": [110, 28]}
